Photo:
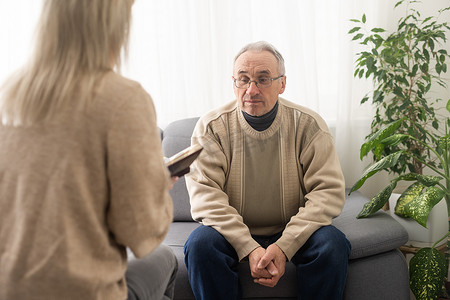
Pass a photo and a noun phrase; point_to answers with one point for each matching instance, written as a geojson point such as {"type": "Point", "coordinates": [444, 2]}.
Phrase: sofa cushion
{"type": "Point", "coordinates": [176, 137]}
{"type": "Point", "coordinates": [381, 276]}
{"type": "Point", "coordinates": [376, 234]}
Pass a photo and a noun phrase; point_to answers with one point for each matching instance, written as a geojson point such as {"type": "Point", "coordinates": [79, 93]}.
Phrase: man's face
{"type": "Point", "coordinates": [257, 101]}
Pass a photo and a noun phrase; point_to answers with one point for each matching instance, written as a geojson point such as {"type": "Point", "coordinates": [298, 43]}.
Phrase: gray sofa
{"type": "Point", "coordinates": [377, 269]}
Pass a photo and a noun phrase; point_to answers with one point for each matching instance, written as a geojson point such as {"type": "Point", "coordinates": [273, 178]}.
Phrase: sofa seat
{"type": "Point", "coordinates": [377, 269]}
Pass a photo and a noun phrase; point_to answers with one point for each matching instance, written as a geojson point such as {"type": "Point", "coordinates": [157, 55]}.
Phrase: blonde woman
{"type": "Point", "coordinates": [82, 175]}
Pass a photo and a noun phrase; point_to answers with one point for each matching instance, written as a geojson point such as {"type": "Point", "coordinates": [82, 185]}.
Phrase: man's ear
{"type": "Point", "coordinates": [283, 85]}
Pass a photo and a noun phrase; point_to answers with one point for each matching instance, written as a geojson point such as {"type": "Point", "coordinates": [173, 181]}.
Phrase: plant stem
{"type": "Point", "coordinates": [428, 165]}
{"type": "Point", "coordinates": [443, 159]}
{"type": "Point", "coordinates": [446, 168]}
{"type": "Point", "coordinates": [445, 236]}
{"type": "Point", "coordinates": [447, 250]}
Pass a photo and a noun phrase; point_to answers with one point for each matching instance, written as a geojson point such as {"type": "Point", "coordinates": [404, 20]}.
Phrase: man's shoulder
{"type": "Point", "coordinates": [302, 112]}
{"type": "Point", "coordinates": [217, 114]}
{"type": "Point", "coordinates": [294, 107]}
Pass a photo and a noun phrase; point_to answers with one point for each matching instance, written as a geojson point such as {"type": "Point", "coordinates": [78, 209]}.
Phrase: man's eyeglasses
{"type": "Point", "coordinates": [262, 82]}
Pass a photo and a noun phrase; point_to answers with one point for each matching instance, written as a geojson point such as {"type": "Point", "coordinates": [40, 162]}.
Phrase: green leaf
{"type": "Point", "coordinates": [378, 150]}
{"type": "Point", "coordinates": [398, 3]}
{"type": "Point", "coordinates": [358, 36]}
{"type": "Point", "coordinates": [407, 177]}
{"type": "Point", "coordinates": [378, 96]}
{"type": "Point", "coordinates": [424, 68]}
{"type": "Point", "coordinates": [431, 43]}
{"type": "Point", "coordinates": [426, 54]}
{"type": "Point", "coordinates": [384, 163]}
{"type": "Point", "coordinates": [361, 181]}
{"type": "Point", "coordinates": [413, 191]}
{"type": "Point", "coordinates": [366, 40]}
{"type": "Point", "coordinates": [428, 180]}
{"type": "Point", "coordinates": [398, 91]}
{"type": "Point", "coordinates": [364, 99]}
{"type": "Point", "coordinates": [370, 62]}
{"type": "Point", "coordinates": [414, 70]}
{"type": "Point", "coordinates": [361, 73]}
{"type": "Point", "coordinates": [438, 68]}
{"type": "Point", "coordinates": [435, 124]}
{"type": "Point", "coordinates": [354, 29]}
{"type": "Point", "coordinates": [448, 105]}
{"type": "Point", "coordinates": [394, 139]}
{"type": "Point", "coordinates": [355, 20]}
{"type": "Point", "coordinates": [403, 80]}
{"type": "Point", "coordinates": [379, 136]}
{"type": "Point", "coordinates": [363, 18]}
{"type": "Point", "coordinates": [377, 202]}
{"type": "Point", "coordinates": [427, 270]}
{"type": "Point", "coordinates": [444, 143]}
{"type": "Point", "coordinates": [420, 207]}
{"type": "Point", "coordinates": [378, 30]}
{"type": "Point", "coordinates": [427, 19]}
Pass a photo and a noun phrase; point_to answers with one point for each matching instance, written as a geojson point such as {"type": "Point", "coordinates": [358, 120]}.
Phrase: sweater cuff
{"type": "Point", "coordinates": [245, 251]}
{"type": "Point", "coordinates": [290, 245]}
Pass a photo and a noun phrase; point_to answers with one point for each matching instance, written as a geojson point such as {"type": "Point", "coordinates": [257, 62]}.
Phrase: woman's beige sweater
{"type": "Point", "coordinates": [286, 178]}
{"type": "Point", "coordinates": [74, 192]}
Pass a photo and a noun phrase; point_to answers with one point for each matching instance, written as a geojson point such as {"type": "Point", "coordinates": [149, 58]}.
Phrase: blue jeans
{"type": "Point", "coordinates": [212, 264]}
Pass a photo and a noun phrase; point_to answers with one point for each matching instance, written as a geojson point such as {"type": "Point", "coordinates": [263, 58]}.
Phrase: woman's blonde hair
{"type": "Point", "coordinates": [78, 42]}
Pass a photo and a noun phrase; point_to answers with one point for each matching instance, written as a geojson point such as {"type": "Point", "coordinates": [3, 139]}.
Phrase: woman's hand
{"type": "Point", "coordinates": [173, 179]}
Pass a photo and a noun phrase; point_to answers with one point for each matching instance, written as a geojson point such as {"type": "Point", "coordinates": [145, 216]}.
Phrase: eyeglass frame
{"type": "Point", "coordinates": [256, 82]}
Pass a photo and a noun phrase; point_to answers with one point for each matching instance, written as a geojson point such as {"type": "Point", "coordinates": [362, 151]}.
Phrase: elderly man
{"type": "Point", "coordinates": [265, 188]}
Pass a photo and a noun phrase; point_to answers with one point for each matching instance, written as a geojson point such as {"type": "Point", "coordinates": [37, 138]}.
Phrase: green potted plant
{"type": "Point", "coordinates": [428, 267]}
{"type": "Point", "coordinates": [409, 130]}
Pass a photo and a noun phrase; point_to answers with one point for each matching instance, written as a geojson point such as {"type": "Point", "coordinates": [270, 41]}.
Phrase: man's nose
{"type": "Point", "coordinates": [252, 89]}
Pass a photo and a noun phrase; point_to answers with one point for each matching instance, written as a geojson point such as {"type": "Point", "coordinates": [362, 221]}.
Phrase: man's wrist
{"type": "Point", "coordinates": [281, 249]}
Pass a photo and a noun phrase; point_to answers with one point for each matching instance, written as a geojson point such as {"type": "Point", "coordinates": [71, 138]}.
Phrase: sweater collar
{"type": "Point", "coordinates": [261, 123]}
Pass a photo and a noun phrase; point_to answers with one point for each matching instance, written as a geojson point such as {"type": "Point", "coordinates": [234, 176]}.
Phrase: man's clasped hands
{"type": "Point", "coordinates": [267, 265]}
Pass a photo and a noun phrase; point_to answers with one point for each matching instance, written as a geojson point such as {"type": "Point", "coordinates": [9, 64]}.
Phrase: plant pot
{"type": "Point", "coordinates": [419, 236]}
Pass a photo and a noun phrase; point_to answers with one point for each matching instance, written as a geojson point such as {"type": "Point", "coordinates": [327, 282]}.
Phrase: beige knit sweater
{"type": "Point", "coordinates": [285, 178]}
{"type": "Point", "coordinates": [75, 191]}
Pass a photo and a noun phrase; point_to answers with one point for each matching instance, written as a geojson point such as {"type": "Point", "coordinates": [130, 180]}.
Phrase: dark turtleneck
{"type": "Point", "coordinates": [263, 122]}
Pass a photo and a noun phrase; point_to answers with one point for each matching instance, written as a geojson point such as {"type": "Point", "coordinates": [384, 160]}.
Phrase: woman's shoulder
{"type": "Point", "coordinates": [115, 89]}
{"type": "Point", "coordinates": [116, 95]}
{"type": "Point", "coordinates": [119, 85]}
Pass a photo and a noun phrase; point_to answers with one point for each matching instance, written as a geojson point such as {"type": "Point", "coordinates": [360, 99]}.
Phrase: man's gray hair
{"type": "Point", "coordinates": [264, 46]}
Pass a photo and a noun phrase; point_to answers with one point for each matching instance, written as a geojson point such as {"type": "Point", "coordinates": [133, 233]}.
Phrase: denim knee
{"type": "Point", "coordinates": [327, 243]}
{"type": "Point", "coordinates": [338, 242]}
{"type": "Point", "coordinates": [212, 264]}
{"type": "Point", "coordinates": [333, 242]}
{"type": "Point", "coordinates": [205, 242]}
{"type": "Point", "coordinates": [198, 241]}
